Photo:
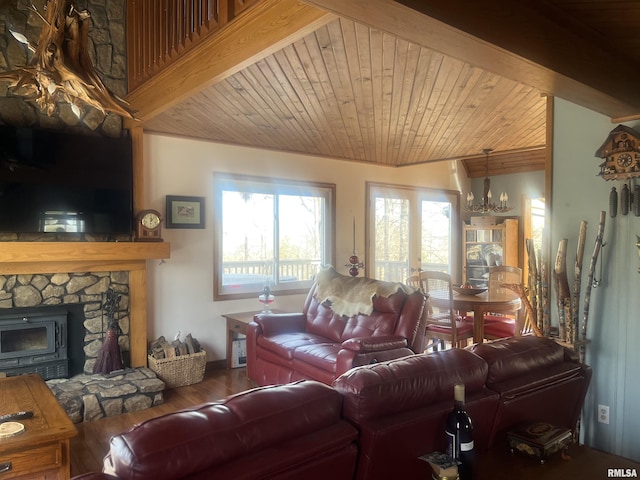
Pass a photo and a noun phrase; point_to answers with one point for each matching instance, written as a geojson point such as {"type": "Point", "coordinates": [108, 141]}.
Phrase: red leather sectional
{"type": "Point", "coordinates": [373, 423]}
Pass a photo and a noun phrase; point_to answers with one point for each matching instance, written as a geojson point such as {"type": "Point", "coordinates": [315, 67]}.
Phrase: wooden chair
{"type": "Point", "coordinates": [415, 281]}
{"type": "Point", "coordinates": [443, 322]}
{"type": "Point", "coordinates": [499, 325]}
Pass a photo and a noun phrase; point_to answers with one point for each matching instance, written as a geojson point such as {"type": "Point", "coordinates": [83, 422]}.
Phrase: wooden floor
{"type": "Point", "coordinates": [92, 442]}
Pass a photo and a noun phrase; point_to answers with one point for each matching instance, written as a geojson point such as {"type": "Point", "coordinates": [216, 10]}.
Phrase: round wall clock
{"type": "Point", "coordinates": [148, 226]}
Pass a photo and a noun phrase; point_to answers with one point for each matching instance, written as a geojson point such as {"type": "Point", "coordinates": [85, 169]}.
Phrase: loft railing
{"type": "Point", "coordinates": [158, 31]}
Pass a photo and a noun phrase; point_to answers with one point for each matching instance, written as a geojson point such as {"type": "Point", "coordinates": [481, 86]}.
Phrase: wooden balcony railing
{"type": "Point", "coordinates": [158, 31]}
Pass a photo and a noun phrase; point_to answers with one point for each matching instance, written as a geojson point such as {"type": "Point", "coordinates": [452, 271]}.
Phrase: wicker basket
{"type": "Point", "coordinates": [181, 370]}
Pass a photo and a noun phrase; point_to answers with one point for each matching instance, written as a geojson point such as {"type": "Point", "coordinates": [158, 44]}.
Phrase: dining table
{"type": "Point", "coordinates": [494, 301]}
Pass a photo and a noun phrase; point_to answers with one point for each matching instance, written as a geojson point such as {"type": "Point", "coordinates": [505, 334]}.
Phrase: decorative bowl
{"type": "Point", "coordinates": [468, 291]}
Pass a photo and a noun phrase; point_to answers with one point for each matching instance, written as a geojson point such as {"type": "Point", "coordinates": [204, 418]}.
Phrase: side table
{"type": "Point", "coordinates": [237, 324]}
{"type": "Point", "coordinates": [42, 450]}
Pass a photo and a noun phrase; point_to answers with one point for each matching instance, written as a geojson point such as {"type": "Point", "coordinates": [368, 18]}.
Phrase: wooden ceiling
{"type": "Point", "coordinates": [381, 83]}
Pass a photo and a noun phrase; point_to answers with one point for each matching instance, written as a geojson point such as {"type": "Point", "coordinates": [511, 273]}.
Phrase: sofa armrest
{"type": "Point", "coordinates": [274, 323]}
{"type": "Point", "coordinates": [374, 344]}
{"type": "Point", "coordinates": [366, 350]}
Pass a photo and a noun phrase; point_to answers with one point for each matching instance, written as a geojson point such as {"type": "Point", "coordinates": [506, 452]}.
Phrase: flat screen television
{"type": "Point", "coordinates": [55, 181]}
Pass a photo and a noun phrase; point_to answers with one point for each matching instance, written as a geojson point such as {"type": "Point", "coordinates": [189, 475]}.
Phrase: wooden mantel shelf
{"type": "Point", "coordinates": [31, 252]}
{"type": "Point", "coordinates": [59, 257]}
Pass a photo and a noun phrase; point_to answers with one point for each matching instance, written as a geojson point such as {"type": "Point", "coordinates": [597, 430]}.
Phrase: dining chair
{"type": "Point", "coordinates": [415, 281]}
{"type": "Point", "coordinates": [498, 325]}
{"type": "Point", "coordinates": [443, 322]}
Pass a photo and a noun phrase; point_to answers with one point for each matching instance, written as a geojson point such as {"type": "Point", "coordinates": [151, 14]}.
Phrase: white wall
{"type": "Point", "coordinates": [181, 288]}
{"type": "Point", "coordinates": [613, 324]}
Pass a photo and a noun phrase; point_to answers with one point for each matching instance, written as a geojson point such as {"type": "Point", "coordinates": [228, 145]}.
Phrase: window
{"type": "Point", "coordinates": [274, 233]}
{"type": "Point", "coordinates": [412, 228]}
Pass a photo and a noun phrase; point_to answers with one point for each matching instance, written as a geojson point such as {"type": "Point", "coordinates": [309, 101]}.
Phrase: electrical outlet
{"type": "Point", "coordinates": [603, 414]}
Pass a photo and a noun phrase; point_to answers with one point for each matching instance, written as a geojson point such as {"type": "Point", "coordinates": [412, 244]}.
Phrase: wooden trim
{"type": "Point", "coordinates": [138, 316]}
{"type": "Point", "coordinates": [268, 27]}
{"type": "Point", "coordinates": [56, 252]}
{"type": "Point", "coordinates": [137, 147]}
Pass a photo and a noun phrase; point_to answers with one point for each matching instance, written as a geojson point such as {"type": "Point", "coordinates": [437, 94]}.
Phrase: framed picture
{"type": "Point", "coordinates": [185, 212]}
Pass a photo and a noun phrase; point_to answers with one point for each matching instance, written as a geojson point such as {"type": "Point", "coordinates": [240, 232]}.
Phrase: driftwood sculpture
{"type": "Point", "coordinates": [61, 69]}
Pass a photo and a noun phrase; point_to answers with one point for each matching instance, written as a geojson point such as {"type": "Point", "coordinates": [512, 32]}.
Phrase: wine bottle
{"type": "Point", "coordinates": [459, 433]}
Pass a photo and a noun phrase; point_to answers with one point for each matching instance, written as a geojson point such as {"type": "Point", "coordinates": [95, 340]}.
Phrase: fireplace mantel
{"type": "Point", "coordinates": [66, 257]}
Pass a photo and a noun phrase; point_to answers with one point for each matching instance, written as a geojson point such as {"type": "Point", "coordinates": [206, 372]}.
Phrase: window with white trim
{"type": "Point", "coordinates": [270, 232]}
{"type": "Point", "coordinates": [412, 229]}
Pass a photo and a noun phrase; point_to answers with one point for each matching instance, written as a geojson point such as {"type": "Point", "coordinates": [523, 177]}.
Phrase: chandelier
{"type": "Point", "coordinates": [486, 206]}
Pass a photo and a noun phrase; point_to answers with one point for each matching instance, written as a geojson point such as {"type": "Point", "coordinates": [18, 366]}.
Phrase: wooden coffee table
{"type": "Point", "coordinates": [42, 449]}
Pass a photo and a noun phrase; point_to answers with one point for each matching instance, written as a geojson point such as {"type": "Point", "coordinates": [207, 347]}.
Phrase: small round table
{"type": "Point", "coordinates": [497, 301]}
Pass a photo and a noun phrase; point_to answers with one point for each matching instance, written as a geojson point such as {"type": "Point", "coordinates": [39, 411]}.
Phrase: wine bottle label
{"type": "Point", "coordinates": [466, 447]}
{"type": "Point", "coordinates": [452, 451]}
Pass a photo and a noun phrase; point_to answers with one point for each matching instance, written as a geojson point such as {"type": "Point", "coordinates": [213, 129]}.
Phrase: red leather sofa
{"type": "Point", "coordinates": [320, 344]}
{"type": "Point", "coordinates": [399, 407]}
{"type": "Point", "coordinates": [279, 432]}
{"type": "Point", "coordinates": [372, 424]}
{"type": "Point", "coordinates": [537, 380]}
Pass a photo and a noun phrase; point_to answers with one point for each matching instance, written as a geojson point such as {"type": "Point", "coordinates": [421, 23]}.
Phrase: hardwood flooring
{"type": "Point", "coordinates": [91, 444]}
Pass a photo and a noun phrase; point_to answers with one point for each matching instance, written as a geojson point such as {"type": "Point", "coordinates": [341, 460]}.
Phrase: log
{"type": "Point", "coordinates": [544, 289]}
{"type": "Point", "coordinates": [563, 294]}
{"type": "Point", "coordinates": [587, 295]}
{"type": "Point", "coordinates": [577, 283]}
{"type": "Point", "coordinates": [535, 283]}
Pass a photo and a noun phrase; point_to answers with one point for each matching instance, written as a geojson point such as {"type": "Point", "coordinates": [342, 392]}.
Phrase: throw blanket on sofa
{"type": "Point", "coordinates": [350, 296]}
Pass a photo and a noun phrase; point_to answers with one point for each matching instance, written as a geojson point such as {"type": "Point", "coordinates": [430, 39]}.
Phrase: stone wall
{"type": "Point", "coordinates": [86, 289]}
{"type": "Point", "coordinates": [107, 49]}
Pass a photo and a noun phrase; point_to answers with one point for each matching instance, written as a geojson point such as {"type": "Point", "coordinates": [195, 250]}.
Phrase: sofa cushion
{"type": "Point", "coordinates": [184, 443]}
{"type": "Point", "coordinates": [518, 356]}
{"type": "Point", "coordinates": [322, 356]}
{"type": "Point", "coordinates": [285, 344]}
{"type": "Point", "coordinates": [407, 383]}
{"type": "Point", "coordinates": [322, 321]}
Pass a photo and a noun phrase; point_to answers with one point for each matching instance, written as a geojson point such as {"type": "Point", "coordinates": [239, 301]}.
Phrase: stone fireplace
{"type": "Point", "coordinates": [89, 266]}
{"type": "Point", "coordinates": [75, 275]}
{"type": "Point", "coordinates": [33, 294]}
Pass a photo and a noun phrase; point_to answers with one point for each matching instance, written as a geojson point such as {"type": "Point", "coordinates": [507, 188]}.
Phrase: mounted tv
{"type": "Point", "coordinates": [54, 181]}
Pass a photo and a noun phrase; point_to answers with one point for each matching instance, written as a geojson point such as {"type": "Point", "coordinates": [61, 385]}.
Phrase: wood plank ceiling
{"type": "Point", "coordinates": [351, 91]}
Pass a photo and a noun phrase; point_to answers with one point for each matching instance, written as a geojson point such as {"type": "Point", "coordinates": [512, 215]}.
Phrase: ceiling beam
{"type": "Point", "coordinates": [504, 163]}
{"type": "Point", "coordinates": [512, 39]}
{"type": "Point", "coordinates": [269, 26]}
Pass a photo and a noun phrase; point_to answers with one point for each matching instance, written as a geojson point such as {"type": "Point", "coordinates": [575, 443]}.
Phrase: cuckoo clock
{"type": "Point", "coordinates": [621, 154]}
